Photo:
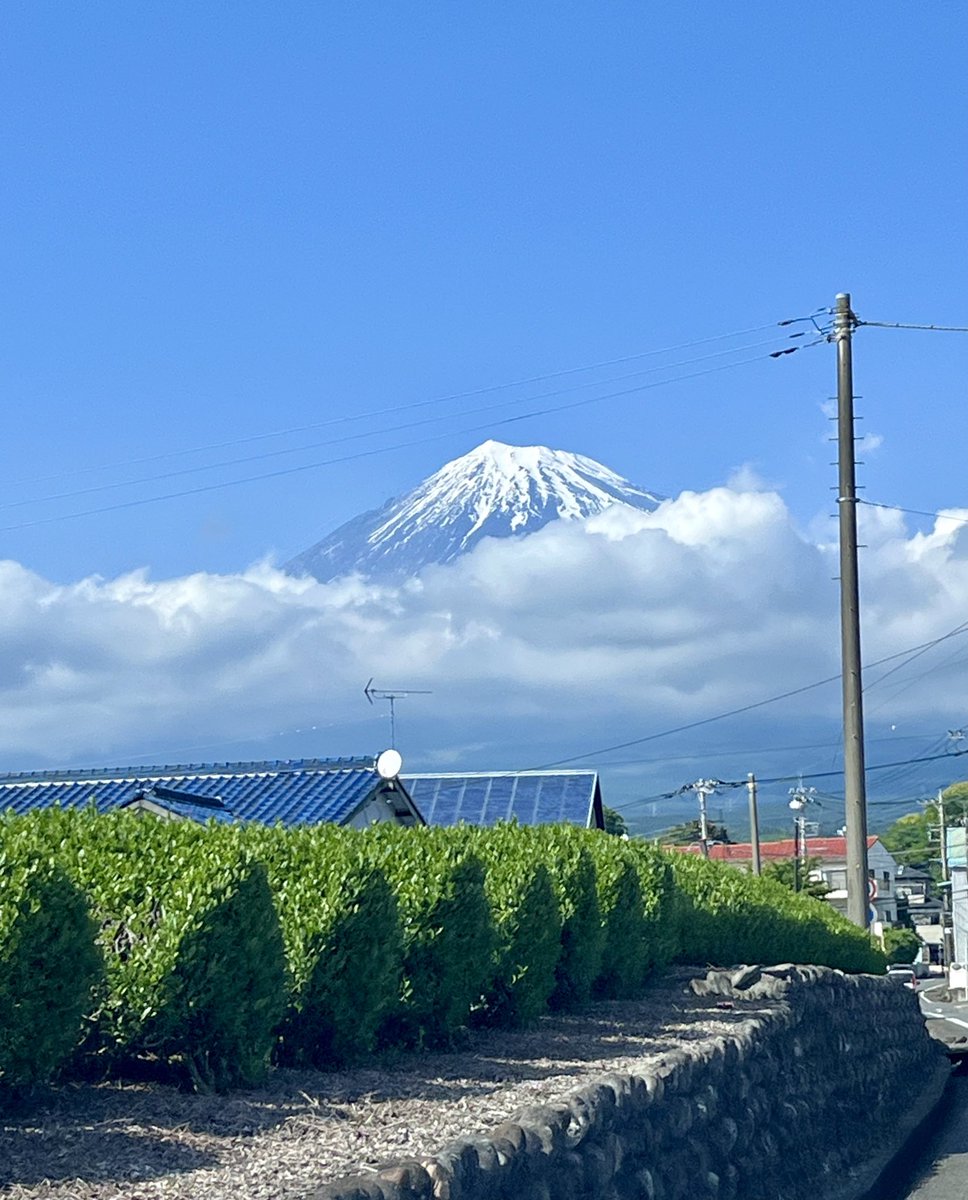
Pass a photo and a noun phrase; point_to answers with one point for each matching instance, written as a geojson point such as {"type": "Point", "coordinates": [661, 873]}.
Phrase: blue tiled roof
{"type": "Point", "coordinates": [531, 797]}
{"type": "Point", "coordinates": [301, 792]}
{"type": "Point", "coordinates": [186, 805]}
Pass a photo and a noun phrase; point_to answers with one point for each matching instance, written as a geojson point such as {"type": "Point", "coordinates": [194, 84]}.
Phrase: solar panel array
{"type": "Point", "coordinates": [289, 795]}
{"type": "Point", "coordinates": [530, 797]}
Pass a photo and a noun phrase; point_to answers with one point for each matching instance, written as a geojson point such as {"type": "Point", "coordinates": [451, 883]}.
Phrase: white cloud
{"type": "Point", "coordinates": [625, 624]}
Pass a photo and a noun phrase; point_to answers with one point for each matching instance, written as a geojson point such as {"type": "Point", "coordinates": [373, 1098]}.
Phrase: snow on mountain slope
{"type": "Point", "coordinates": [494, 491]}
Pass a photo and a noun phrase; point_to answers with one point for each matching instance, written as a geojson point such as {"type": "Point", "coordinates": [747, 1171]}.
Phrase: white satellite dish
{"type": "Point", "coordinates": [388, 764]}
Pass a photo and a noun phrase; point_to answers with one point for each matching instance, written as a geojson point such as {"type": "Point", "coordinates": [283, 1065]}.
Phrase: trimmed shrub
{"type": "Point", "coordinates": [343, 939]}
{"type": "Point", "coordinates": [626, 954]}
{"type": "Point", "coordinates": [195, 967]}
{"type": "Point", "coordinates": [448, 935]}
{"type": "Point", "coordinates": [49, 963]}
{"type": "Point", "coordinates": [901, 945]}
{"type": "Point", "coordinates": [220, 1005]}
{"type": "Point", "coordinates": [527, 921]}
{"type": "Point", "coordinates": [661, 901]}
{"type": "Point", "coordinates": [731, 917]}
{"type": "Point", "coordinates": [564, 851]}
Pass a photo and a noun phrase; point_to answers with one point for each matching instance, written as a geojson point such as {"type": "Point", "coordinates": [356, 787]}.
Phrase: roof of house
{"type": "Point", "coordinates": [829, 848]}
{"type": "Point", "coordinates": [295, 792]}
{"type": "Point", "coordinates": [186, 805]}
{"type": "Point", "coordinates": [530, 797]}
{"type": "Point", "coordinates": [905, 872]}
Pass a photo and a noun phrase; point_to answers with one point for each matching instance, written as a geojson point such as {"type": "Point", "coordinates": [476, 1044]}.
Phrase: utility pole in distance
{"type": "Point", "coordinates": [704, 788]}
{"type": "Point", "coordinates": [854, 780]}
{"type": "Point", "coordinates": [947, 928]}
{"type": "Point", "coordinates": [754, 823]}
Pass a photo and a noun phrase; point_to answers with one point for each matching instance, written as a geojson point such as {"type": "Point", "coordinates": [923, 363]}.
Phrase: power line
{"type": "Point", "coordinates": [915, 654]}
{"type": "Point", "coordinates": [924, 328]}
{"type": "Point", "coordinates": [352, 437]}
{"type": "Point", "coordinates": [736, 783]}
{"type": "Point", "coordinates": [734, 712]}
{"type": "Point", "coordinates": [916, 512]}
{"type": "Point", "coordinates": [381, 412]}
{"type": "Point", "coordinates": [746, 753]}
{"type": "Point", "coordinates": [212, 487]}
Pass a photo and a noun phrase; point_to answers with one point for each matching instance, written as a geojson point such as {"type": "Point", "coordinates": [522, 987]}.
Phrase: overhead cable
{"type": "Point", "coordinates": [916, 512]}
{"type": "Point", "coordinates": [734, 712]}
{"type": "Point", "coordinates": [409, 407]}
{"type": "Point", "coordinates": [353, 437]}
{"type": "Point", "coordinates": [905, 325]}
{"type": "Point", "coordinates": [229, 483]}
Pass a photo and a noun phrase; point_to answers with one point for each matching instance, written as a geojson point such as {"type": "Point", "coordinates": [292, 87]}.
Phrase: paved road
{"type": "Point", "coordinates": [947, 1022]}
{"type": "Point", "coordinates": [942, 1173]}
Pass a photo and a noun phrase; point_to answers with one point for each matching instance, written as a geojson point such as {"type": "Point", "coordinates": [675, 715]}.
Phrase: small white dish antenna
{"type": "Point", "coordinates": [388, 764]}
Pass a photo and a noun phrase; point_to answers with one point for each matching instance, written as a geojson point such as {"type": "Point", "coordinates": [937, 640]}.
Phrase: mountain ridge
{"type": "Point", "coordinates": [496, 490]}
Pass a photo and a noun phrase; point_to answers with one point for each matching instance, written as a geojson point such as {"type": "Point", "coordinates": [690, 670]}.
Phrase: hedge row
{"type": "Point", "coordinates": [203, 953]}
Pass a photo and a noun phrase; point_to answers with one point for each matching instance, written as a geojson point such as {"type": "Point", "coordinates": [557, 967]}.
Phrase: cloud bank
{"type": "Point", "coordinates": [605, 629]}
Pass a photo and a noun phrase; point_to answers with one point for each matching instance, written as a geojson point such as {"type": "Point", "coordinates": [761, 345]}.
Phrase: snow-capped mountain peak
{"type": "Point", "coordinates": [496, 490]}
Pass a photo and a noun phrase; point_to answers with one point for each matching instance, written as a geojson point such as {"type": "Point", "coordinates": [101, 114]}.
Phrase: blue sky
{"type": "Point", "coordinates": [222, 221]}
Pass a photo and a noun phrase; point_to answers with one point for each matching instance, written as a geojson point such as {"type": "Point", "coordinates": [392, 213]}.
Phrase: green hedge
{"type": "Point", "coordinates": [195, 968]}
{"type": "Point", "coordinates": [729, 916]}
{"type": "Point", "coordinates": [626, 953]}
{"type": "Point", "coordinates": [448, 934]}
{"type": "Point", "coordinates": [343, 939]}
{"type": "Point", "coordinates": [565, 851]}
{"type": "Point", "coordinates": [49, 962]}
{"type": "Point", "coordinates": [221, 945]}
{"type": "Point", "coordinates": [661, 901]}
{"type": "Point", "coordinates": [527, 922]}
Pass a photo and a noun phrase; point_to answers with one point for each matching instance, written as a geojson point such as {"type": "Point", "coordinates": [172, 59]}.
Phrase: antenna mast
{"type": "Point", "coordinates": [392, 695]}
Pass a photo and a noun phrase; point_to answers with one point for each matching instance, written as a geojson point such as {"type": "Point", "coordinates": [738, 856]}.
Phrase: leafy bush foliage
{"type": "Point", "coordinates": [448, 934]}
{"type": "Point", "coordinates": [343, 939]}
{"type": "Point", "coordinates": [216, 945]}
{"type": "Point", "coordinates": [49, 962]}
{"type": "Point", "coordinates": [527, 922]}
{"type": "Point", "coordinates": [901, 945]}
{"type": "Point", "coordinates": [625, 952]}
{"type": "Point", "coordinates": [565, 851]}
{"type": "Point", "coordinates": [195, 968]}
{"type": "Point", "coordinates": [732, 917]}
{"type": "Point", "coordinates": [662, 904]}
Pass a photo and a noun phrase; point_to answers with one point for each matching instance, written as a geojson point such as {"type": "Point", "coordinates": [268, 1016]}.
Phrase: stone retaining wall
{"type": "Point", "coordinates": [809, 1098]}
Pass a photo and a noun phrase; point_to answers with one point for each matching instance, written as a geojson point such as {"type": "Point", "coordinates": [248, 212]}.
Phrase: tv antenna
{"type": "Point", "coordinates": [391, 695]}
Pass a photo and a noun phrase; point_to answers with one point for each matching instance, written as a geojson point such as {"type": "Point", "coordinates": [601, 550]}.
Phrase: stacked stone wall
{"type": "Point", "coordinates": [819, 1086]}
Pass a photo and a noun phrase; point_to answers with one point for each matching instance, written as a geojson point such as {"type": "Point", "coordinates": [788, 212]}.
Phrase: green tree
{"type": "Point", "coordinates": [913, 838]}
{"type": "Point", "coordinates": [909, 840]}
{"type": "Point", "coordinates": [691, 831]}
{"type": "Point", "coordinates": [785, 872]}
{"type": "Point", "coordinates": [614, 822]}
{"type": "Point", "coordinates": [955, 803]}
{"type": "Point", "coordinates": [901, 945]}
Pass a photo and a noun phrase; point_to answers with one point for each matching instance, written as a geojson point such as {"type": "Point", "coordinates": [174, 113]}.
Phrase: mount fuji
{"type": "Point", "coordinates": [494, 491]}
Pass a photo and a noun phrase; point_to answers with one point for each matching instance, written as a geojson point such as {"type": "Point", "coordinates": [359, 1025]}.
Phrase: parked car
{"type": "Point", "coordinates": [903, 975]}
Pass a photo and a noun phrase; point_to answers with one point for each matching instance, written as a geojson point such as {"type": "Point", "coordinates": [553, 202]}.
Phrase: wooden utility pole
{"type": "Point", "coordinates": [854, 780]}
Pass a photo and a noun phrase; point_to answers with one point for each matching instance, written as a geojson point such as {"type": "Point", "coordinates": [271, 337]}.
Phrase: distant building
{"type": "Point", "coordinates": [529, 797]}
{"type": "Point", "coordinates": [341, 791]}
{"type": "Point", "coordinates": [916, 900]}
{"type": "Point", "coordinates": [831, 868]}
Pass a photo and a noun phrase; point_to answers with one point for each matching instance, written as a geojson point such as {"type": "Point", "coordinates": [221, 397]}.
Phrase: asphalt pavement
{"type": "Point", "coordinates": [941, 1172]}
{"type": "Point", "coordinates": [946, 1021]}
{"type": "Point", "coordinates": [940, 1169]}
